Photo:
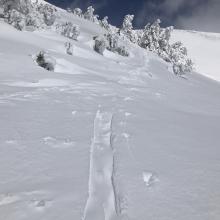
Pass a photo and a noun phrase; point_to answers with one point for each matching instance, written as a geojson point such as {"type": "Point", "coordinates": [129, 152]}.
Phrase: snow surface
{"type": "Point", "coordinates": [204, 49]}
{"type": "Point", "coordinates": [120, 137]}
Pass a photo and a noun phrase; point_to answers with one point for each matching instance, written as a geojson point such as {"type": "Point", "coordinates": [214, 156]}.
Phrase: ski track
{"type": "Point", "coordinates": [101, 203]}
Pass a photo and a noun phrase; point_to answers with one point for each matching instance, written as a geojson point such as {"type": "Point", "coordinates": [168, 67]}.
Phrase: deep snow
{"type": "Point", "coordinates": [159, 133]}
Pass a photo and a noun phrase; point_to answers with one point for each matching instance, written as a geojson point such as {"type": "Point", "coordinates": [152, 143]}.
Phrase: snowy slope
{"type": "Point", "coordinates": [204, 49]}
{"type": "Point", "coordinates": [104, 137]}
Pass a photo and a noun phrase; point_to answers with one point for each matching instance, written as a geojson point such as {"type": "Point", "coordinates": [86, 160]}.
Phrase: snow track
{"type": "Point", "coordinates": [101, 203]}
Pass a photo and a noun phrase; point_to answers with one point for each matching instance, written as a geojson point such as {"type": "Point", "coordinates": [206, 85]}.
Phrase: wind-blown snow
{"type": "Point", "coordinates": [161, 146]}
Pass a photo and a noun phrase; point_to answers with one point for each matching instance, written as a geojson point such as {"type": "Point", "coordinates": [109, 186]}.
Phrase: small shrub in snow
{"type": "Point", "coordinates": [45, 61]}
{"type": "Point", "coordinates": [69, 48]}
{"type": "Point", "coordinates": [70, 30]}
{"type": "Point", "coordinates": [100, 44]}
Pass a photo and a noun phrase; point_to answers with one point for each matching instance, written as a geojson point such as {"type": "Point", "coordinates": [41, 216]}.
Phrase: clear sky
{"type": "Point", "coordinates": [203, 15]}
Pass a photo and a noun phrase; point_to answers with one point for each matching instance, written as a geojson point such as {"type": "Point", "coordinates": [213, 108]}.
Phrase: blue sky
{"type": "Point", "coordinates": [201, 15]}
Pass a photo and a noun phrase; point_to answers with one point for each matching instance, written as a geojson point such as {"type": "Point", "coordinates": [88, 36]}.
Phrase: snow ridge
{"type": "Point", "coordinates": [101, 203]}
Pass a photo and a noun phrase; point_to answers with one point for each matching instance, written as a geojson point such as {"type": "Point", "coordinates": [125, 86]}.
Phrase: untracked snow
{"type": "Point", "coordinates": [105, 137]}
{"type": "Point", "coordinates": [204, 49]}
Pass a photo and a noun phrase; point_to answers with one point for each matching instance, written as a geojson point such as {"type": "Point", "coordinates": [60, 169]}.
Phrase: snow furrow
{"type": "Point", "coordinates": [101, 203]}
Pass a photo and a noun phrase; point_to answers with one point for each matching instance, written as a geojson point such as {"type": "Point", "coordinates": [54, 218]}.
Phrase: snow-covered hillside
{"type": "Point", "coordinates": [204, 49]}
{"type": "Point", "coordinates": [104, 137]}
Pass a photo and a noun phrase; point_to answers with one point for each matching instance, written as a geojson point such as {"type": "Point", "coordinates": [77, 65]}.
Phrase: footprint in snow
{"type": "Point", "coordinates": [149, 178]}
{"type": "Point", "coordinates": [40, 205]}
{"type": "Point", "coordinates": [127, 114]}
{"type": "Point", "coordinates": [55, 143]}
{"type": "Point", "coordinates": [74, 112]}
{"type": "Point", "coordinates": [128, 99]}
{"type": "Point", "coordinates": [11, 142]}
{"type": "Point", "coordinates": [126, 135]}
{"type": "Point", "coordinates": [6, 199]}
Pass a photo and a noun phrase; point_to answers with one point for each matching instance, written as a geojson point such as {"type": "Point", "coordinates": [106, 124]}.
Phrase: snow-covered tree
{"type": "Point", "coordinates": [69, 30]}
{"type": "Point", "coordinates": [28, 13]}
{"type": "Point", "coordinates": [96, 19]}
{"type": "Point", "coordinates": [157, 39]}
{"type": "Point", "coordinates": [127, 23]}
{"type": "Point", "coordinates": [16, 19]}
{"type": "Point", "coordinates": [127, 28]}
{"type": "Point", "coordinates": [100, 44]}
{"type": "Point", "coordinates": [145, 37]}
{"type": "Point", "coordinates": [77, 12]}
{"type": "Point", "coordinates": [69, 10]}
{"type": "Point", "coordinates": [178, 56]}
{"type": "Point", "coordinates": [104, 23]}
{"type": "Point", "coordinates": [113, 44]}
{"type": "Point", "coordinates": [22, 6]}
{"type": "Point", "coordinates": [89, 14]}
{"type": "Point", "coordinates": [48, 12]}
{"type": "Point", "coordinates": [69, 48]}
{"type": "Point", "coordinates": [164, 44]}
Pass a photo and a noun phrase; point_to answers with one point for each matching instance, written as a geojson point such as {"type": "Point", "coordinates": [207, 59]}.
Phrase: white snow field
{"type": "Point", "coordinates": [105, 137]}
{"type": "Point", "coordinates": [204, 49]}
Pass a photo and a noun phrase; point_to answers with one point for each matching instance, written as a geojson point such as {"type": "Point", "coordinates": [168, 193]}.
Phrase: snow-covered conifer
{"type": "Point", "coordinates": [113, 44]}
{"type": "Point", "coordinates": [145, 41]}
{"type": "Point", "coordinates": [69, 10]}
{"type": "Point", "coordinates": [16, 19]}
{"type": "Point", "coordinates": [89, 14]}
{"type": "Point", "coordinates": [104, 23]}
{"type": "Point", "coordinates": [49, 15]}
{"type": "Point", "coordinates": [77, 12]}
{"type": "Point", "coordinates": [178, 55]}
{"type": "Point", "coordinates": [96, 19]}
{"type": "Point", "coordinates": [112, 39]}
{"type": "Point", "coordinates": [127, 23]}
{"type": "Point", "coordinates": [127, 28]}
{"type": "Point", "coordinates": [70, 30]}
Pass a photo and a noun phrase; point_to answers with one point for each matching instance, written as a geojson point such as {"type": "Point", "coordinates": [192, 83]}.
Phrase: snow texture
{"type": "Point", "coordinates": [155, 148]}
